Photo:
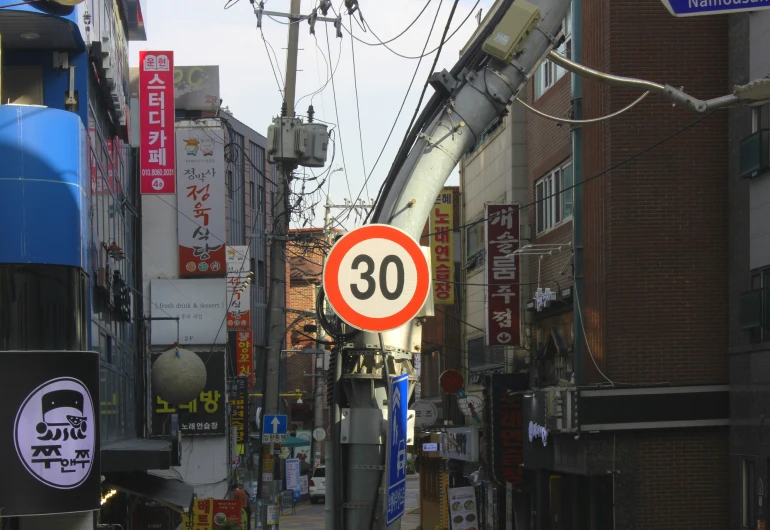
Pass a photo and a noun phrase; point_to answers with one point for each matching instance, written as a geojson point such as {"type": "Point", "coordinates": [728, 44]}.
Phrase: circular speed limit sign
{"type": "Point", "coordinates": [376, 278]}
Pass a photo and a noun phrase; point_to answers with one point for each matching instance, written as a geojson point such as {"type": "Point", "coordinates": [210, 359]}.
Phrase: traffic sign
{"type": "Point", "coordinates": [694, 8]}
{"type": "Point", "coordinates": [425, 412]}
{"type": "Point", "coordinates": [376, 278]}
{"type": "Point", "coordinates": [274, 429]}
{"type": "Point", "coordinates": [319, 434]}
{"type": "Point", "coordinates": [398, 403]}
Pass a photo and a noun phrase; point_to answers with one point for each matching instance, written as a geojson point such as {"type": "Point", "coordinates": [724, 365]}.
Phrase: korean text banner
{"type": "Point", "coordinates": [201, 201]}
{"type": "Point", "coordinates": [204, 415]}
{"type": "Point", "coordinates": [502, 275]}
{"type": "Point", "coordinates": [50, 425]}
{"type": "Point", "coordinates": [156, 111]}
{"type": "Point", "coordinates": [238, 287]}
{"type": "Point", "coordinates": [244, 354]}
{"type": "Point", "coordinates": [239, 404]}
{"type": "Point", "coordinates": [442, 249]}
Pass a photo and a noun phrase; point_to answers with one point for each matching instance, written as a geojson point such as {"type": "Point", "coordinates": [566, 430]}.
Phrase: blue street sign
{"type": "Point", "coordinates": [274, 429]}
{"type": "Point", "coordinates": [694, 8]}
{"type": "Point", "coordinates": [398, 403]}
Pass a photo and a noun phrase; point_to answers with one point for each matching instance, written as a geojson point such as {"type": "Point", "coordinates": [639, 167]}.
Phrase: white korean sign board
{"type": "Point", "coordinates": [200, 306]}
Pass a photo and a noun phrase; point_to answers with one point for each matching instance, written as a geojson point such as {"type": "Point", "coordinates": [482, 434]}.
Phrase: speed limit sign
{"type": "Point", "coordinates": [376, 278]}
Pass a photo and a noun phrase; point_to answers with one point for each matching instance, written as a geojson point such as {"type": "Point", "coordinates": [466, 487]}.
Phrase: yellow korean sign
{"type": "Point", "coordinates": [442, 248]}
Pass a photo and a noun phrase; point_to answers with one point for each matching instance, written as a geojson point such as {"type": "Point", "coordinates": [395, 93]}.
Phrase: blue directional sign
{"type": "Point", "coordinates": [694, 8]}
{"type": "Point", "coordinates": [274, 429]}
{"type": "Point", "coordinates": [398, 403]}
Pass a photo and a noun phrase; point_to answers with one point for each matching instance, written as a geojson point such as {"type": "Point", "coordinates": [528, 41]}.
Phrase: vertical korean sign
{"type": "Point", "coordinates": [442, 248]}
{"type": "Point", "coordinates": [239, 401]}
{"type": "Point", "coordinates": [156, 110]}
{"type": "Point", "coordinates": [502, 275]}
{"type": "Point", "coordinates": [201, 202]}
{"type": "Point", "coordinates": [244, 351]}
{"type": "Point", "coordinates": [238, 287]}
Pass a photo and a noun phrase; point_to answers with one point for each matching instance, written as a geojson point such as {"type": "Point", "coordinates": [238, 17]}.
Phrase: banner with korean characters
{"type": "Point", "coordinates": [244, 354]}
{"type": "Point", "coordinates": [204, 415]}
{"type": "Point", "coordinates": [156, 119]}
{"type": "Point", "coordinates": [238, 287]}
{"type": "Point", "coordinates": [50, 423]}
{"type": "Point", "coordinates": [502, 275]}
{"type": "Point", "coordinates": [200, 162]}
{"type": "Point", "coordinates": [238, 395]}
{"type": "Point", "coordinates": [442, 248]}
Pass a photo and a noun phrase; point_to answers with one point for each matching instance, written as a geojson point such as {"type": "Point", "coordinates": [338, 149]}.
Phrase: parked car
{"type": "Point", "coordinates": [317, 484]}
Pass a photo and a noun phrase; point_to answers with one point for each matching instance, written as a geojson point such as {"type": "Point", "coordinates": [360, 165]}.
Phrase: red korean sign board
{"type": "Point", "coordinates": [502, 275]}
{"type": "Point", "coordinates": [244, 351]}
{"type": "Point", "coordinates": [201, 202]}
{"type": "Point", "coordinates": [156, 109]}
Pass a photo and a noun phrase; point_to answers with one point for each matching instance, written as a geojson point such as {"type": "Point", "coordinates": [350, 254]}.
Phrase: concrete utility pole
{"type": "Point", "coordinates": [277, 315]}
{"type": "Point", "coordinates": [477, 99]}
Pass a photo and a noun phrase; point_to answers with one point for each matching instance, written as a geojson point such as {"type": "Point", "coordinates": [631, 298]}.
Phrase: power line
{"type": "Point", "coordinates": [336, 113]}
{"type": "Point", "coordinates": [406, 96]}
{"type": "Point", "coordinates": [358, 110]}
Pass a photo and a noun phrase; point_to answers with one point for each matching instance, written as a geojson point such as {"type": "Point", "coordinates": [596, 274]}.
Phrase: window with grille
{"type": "Point", "coordinates": [553, 195]}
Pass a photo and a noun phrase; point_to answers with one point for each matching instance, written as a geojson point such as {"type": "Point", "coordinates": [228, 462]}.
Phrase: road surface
{"type": "Point", "coordinates": [311, 516]}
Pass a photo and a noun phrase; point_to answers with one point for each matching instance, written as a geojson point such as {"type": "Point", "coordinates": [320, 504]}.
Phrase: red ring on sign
{"type": "Point", "coordinates": [332, 287]}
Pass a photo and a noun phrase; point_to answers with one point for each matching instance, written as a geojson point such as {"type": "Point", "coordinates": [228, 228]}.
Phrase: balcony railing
{"type": "Point", "coordinates": [755, 154]}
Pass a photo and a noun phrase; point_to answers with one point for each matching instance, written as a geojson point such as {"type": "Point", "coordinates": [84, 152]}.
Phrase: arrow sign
{"type": "Point", "coordinates": [396, 461]}
{"type": "Point", "coordinates": [274, 429]}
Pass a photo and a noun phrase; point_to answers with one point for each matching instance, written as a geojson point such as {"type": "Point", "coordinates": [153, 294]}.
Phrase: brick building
{"type": "Point", "coordinates": [305, 255]}
{"type": "Point", "coordinates": [625, 423]}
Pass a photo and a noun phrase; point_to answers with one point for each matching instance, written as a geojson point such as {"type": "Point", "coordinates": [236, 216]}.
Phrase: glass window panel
{"type": "Point", "coordinates": [567, 187]}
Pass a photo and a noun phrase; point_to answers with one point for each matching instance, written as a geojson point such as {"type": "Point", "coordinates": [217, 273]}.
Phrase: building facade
{"type": "Point", "coordinates": [71, 284]}
{"type": "Point", "coordinates": [749, 275]}
{"type": "Point", "coordinates": [620, 398]}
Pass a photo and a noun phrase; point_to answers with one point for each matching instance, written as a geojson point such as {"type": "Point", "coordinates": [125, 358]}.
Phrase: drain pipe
{"type": "Point", "coordinates": [577, 192]}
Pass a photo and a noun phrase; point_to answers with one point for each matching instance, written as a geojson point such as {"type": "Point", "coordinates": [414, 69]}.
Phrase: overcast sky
{"type": "Point", "coordinates": [202, 32]}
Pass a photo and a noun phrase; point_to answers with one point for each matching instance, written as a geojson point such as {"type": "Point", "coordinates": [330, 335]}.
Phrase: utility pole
{"type": "Point", "coordinates": [277, 317]}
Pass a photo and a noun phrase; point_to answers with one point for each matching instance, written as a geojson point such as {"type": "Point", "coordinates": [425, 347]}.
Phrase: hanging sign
{"type": "Point", "coordinates": [502, 275]}
{"type": "Point", "coordinates": [50, 421]}
{"type": "Point", "coordinates": [156, 111]}
{"type": "Point", "coordinates": [442, 248]}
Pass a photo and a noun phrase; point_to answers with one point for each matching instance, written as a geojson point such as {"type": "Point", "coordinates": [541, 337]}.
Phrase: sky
{"type": "Point", "coordinates": [202, 32]}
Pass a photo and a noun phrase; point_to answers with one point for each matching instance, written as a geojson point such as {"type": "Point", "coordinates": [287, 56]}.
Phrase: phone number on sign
{"type": "Point", "coordinates": [157, 172]}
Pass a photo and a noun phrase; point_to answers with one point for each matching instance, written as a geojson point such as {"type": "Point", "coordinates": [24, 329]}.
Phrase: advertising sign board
{"type": "Point", "coordinates": [50, 424]}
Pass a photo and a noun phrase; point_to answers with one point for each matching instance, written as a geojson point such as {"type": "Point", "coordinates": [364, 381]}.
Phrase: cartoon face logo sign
{"type": "Point", "coordinates": [54, 433]}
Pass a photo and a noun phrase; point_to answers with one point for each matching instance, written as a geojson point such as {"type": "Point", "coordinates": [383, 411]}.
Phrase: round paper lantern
{"type": "Point", "coordinates": [178, 376]}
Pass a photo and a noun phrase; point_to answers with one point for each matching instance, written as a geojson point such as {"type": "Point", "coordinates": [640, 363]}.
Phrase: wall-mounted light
{"type": "Point", "coordinates": [30, 35]}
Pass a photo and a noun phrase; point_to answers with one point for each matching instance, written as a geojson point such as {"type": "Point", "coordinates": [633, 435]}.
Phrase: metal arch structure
{"type": "Point", "coordinates": [356, 467]}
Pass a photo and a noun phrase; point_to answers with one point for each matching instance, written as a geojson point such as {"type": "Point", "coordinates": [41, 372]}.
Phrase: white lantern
{"type": "Point", "coordinates": [178, 376]}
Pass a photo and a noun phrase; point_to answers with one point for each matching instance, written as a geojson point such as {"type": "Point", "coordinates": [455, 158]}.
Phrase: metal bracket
{"type": "Point", "coordinates": [437, 145]}
{"type": "Point", "coordinates": [368, 467]}
{"type": "Point", "coordinates": [443, 82]}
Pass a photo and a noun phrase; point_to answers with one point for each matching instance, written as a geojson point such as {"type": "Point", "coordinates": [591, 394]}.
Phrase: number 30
{"type": "Point", "coordinates": [371, 285]}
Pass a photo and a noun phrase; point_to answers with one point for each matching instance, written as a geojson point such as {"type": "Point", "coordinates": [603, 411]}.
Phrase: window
{"type": "Point", "coordinates": [474, 238]}
{"type": "Point", "coordinates": [747, 493]}
{"type": "Point", "coordinates": [230, 185]}
{"type": "Point", "coordinates": [553, 194]}
{"type": "Point", "coordinates": [476, 355]}
{"type": "Point", "coordinates": [548, 72]}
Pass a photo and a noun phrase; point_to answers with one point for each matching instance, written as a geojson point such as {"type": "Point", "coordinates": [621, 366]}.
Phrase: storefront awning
{"type": "Point", "coordinates": [172, 493]}
{"type": "Point", "coordinates": [138, 454]}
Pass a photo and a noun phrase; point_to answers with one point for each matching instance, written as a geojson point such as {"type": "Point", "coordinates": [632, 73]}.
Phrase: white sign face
{"type": "Point", "coordinates": [292, 474]}
{"type": "Point", "coordinates": [429, 447]}
{"type": "Point", "coordinates": [200, 306]}
{"type": "Point", "coordinates": [376, 278]}
{"type": "Point", "coordinates": [238, 259]}
{"type": "Point", "coordinates": [425, 412]}
{"type": "Point", "coordinates": [303, 485]}
{"type": "Point", "coordinates": [54, 433]}
{"type": "Point", "coordinates": [319, 434]}
{"type": "Point", "coordinates": [471, 405]}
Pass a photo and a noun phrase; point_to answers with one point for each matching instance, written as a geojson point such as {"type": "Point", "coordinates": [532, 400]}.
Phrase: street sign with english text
{"type": "Point", "coordinates": [694, 8]}
{"type": "Point", "coordinates": [396, 462]}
